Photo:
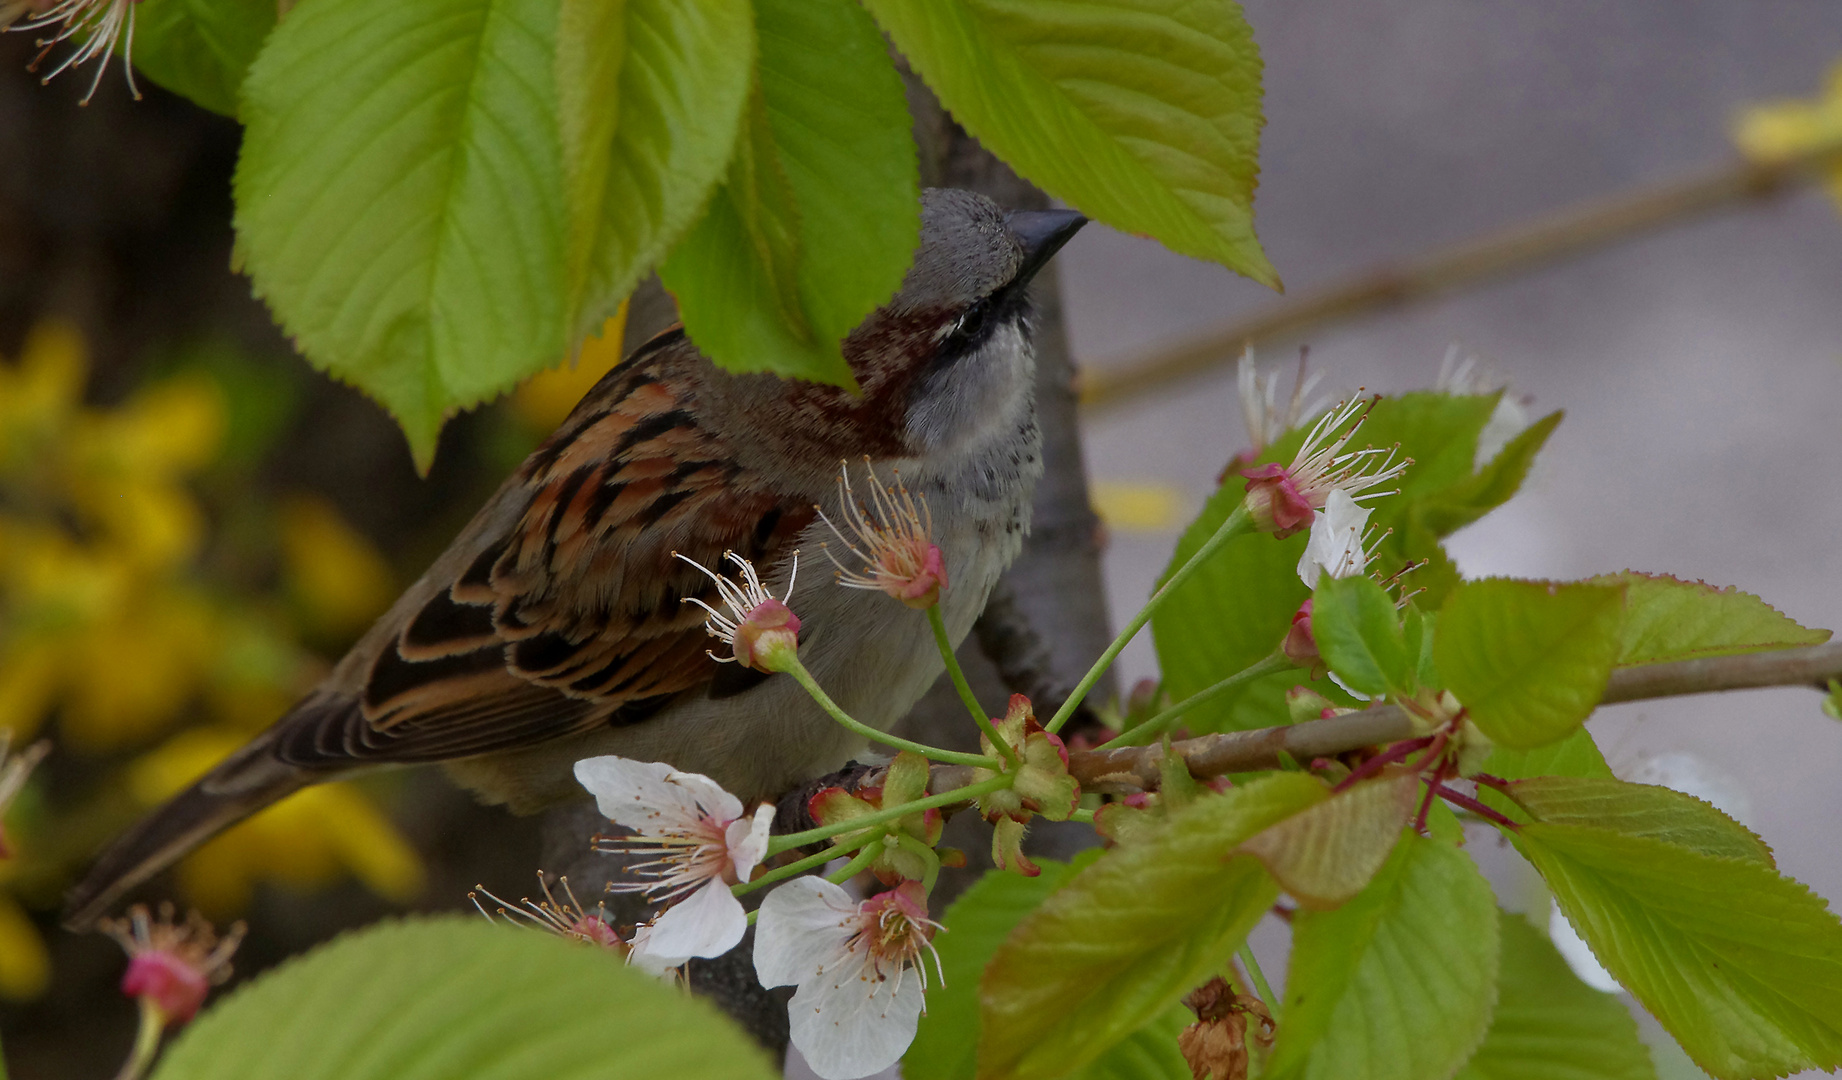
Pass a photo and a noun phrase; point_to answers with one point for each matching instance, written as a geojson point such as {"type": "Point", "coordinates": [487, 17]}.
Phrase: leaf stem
{"type": "Point", "coordinates": [146, 1042]}
{"type": "Point", "coordinates": [792, 666]}
{"type": "Point", "coordinates": [1231, 527]}
{"type": "Point", "coordinates": [1154, 727]}
{"type": "Point", "coordinates": [851, 869]}
{"type": "Point", "coordinates": [1246, 954]}
{"type": "Point", "coordinates": [946, 798]}
{"type": "Point", "coordinates": [980, 718]}
{"type": "Point", "coordinates": [794, 869]}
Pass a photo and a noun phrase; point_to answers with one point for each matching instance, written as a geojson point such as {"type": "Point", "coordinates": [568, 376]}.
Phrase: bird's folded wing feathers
{"type": "Point", "coordinates": [574, 616]}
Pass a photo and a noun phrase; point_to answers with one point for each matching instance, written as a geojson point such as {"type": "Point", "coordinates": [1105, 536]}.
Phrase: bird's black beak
{"type": "Point", "coordinates": [1042, 233]}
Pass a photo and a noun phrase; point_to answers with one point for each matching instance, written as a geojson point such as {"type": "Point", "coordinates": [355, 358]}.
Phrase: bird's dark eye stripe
{"type": "Point", "coordinates": [979, 322]}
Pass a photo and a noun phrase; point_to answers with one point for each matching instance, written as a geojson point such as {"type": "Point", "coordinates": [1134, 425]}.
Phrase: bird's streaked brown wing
{"type": "Point", "coordinates": [574, 617]}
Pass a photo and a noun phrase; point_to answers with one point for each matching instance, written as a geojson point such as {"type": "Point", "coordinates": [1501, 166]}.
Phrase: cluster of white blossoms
{"type": "Point", "coordinates": [858, 966]}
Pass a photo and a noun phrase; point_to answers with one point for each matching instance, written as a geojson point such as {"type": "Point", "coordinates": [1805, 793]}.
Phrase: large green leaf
{"type": "Point", "coordinates": [1670, 619]}
{"type": "Point", "coordinates": [1743, 966]}
{"type": "Point", "coordinates": [1639, 810]}
{"type": "Point", "coordinates": [1237, 609]}
{"type": "Point", "coordinates": [651, 96]}
{"type": "Point", "coordinates": [1130, 935]}
{"type": "Point", "coordinates": [1397, 984]}
{"type": "Point", "coordinates": [1150, 1053]}
{"type": "Point", "coordinates": [457, 998]}
{"type": "Point", "coordinates": [401, 198]}
{"type": "Point", "coordinates": [201, 48]}
{"type": "Point", "coordinates": [1144, 114]}
{"type": "Point", "coordinates": [1358, 632]}
{"type": "Point", "coordinates": [946, 1044]}
{"type": "Point", "coordinates": [1551, 1026]}
{"type": "Point", "coordinates": [1576, 755]}
{"type": "Point", "coordinates": [819, 215]}
{"type": "Point", "coordinates": [1529, 659]}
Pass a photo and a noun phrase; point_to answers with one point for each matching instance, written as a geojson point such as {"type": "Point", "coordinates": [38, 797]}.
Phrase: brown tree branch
{"type": "Point", "coordinates": [1574, 229]}
{"type": "Point", "coordinates": [1136, 767]}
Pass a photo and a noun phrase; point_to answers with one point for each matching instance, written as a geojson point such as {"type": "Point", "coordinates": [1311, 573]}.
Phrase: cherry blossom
{"type": "Point", "coordinates": [699, 844]}
{"type": "Point", "coordinates": [172, 966]}
{"type": "Point", "coordinates": [859, 969]}
{"type": "Point", "coordinates": [1335, 546]}
{"type": "Point", "coordinates": [757, 627]}
{"type": "Point", "coordinates": [893, 542]}
{"type": "Point", "coordinates": [1283, 499]}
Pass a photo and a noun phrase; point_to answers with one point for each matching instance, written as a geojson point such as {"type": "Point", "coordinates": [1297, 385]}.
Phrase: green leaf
{"type": "Point", "coordinates": [1639, 810]}
{"type": "Point", "coordinates": [1359, 634]}
{"type": "Point", "coordinates": [1670, 619]}
{"type": "Point", "coordinates": [651, 97]}
{"type": "Point", "coordinates": [401, 194]}
{"type": "Point", "coordinates": [1529, 659]}
{"type": "Point", "coordinates": [1328, 853]}
{"type": "Point", "coordinates": [819, 215]}
{"type": "Point", "coordinates": [1417, 628]}
{"type": "Point", "coordinates": [1467, 500]}
{"type": "Point", "coordinates": [1576, 755]}
{"type": "Point", "coordinates": [1150, 1053]}
{"type": "Point", "coordinates": [1551, 1026]}
{"type": "Point", "coordinates": [1397, 984]}
{"type": "Point", "coordinates": [946, 1043]}
{"type": "Point", "coordinates": [200, 49]}
{"type": "Point", "coordinates": [1741, 965]}
{"type": "Point", "coordinates": [1131, 934]}
{"type": "Point", "coordinates": [458, 997]}
{"type": "Point", "coordinates": [1145, 116]}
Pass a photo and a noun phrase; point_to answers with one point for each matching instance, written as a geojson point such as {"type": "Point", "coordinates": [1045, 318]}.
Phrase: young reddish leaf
{"type": "Point", "coordinates": [1328, 853]}
{"type": "Point", "coordinates": [1529, 659]}
{"type": "Point", "coordinates": [1131, 934]}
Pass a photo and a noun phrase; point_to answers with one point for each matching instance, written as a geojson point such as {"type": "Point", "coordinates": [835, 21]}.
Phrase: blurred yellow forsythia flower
{"type": "Point", "coordinates": [1782, 131]}
{"type": "Point", "coordinates": [545, 399]}
{"type": "Point", "coordinates": [107, 624]}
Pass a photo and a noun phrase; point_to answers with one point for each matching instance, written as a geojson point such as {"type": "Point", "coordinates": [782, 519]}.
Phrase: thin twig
{"type": "Point", "coordinates": [1582, 227]}
{"type": "Point", "coordinates": [1136, 768]}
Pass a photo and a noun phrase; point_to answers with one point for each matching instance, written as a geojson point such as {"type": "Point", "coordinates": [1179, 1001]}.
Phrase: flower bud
{"type": "Point", "coordinates": [1274, 502]}
{"type": "Point", "coordinates": [766, 636]}
{"type": "Point", "coordinates": [1300, 646]}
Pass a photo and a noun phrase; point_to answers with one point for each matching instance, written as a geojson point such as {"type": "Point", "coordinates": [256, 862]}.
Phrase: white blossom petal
{"type": "Point", "coordinates": [651, 796]}
{"type": "Point", "coordinates": [717, 803]}
{"type": "Point", "coordinates": [709, 922]}
{"type": "Point", "coordinates": [845, 1033]}
{"type": "Point", "coordinates": [804, 928]}
{"type": "Point", "coordinates": [1335, 544]}
{"type": "Point", "coordinates": [748, 840]}
{"type": "Point", "coordinates": [642, 954]}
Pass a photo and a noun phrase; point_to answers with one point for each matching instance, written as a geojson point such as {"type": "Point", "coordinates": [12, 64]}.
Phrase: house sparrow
{"type": "Point", "coordinates": [555, 627]}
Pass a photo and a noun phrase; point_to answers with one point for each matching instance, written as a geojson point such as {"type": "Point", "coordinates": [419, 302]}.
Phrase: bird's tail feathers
{"type": "Point", "coordinates": [246, 782]}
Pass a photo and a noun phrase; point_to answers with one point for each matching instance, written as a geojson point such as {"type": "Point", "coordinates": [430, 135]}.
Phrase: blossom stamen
{"type": "Point", "coordinates": [565, 918]}
{"type": "Point", "coordinates": [892, 539]}
{"type": "Point", "coordinates": [1283, 499]}
{"type": "Point", "coordinates": [757, 626]}
{"type": "Point", "coordinates": [101, 24]}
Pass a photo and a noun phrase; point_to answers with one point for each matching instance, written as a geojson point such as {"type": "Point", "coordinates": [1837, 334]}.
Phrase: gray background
{"type": "Point", "coordinates": [1699, 367]}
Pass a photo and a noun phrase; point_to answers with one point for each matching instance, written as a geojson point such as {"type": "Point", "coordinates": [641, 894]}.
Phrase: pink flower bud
{"type": "Point", "coordinates": [1274, 501]}
{"type": "Point", "coordinates": [173, 984]}
{"type": "Point", "coordinates": [1300, 646]}
{"type": "Point", "coordinates": [767, 631]}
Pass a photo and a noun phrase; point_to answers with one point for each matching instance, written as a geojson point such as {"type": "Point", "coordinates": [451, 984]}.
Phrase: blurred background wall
{"type": "Point", "coordinates": [1700, 369]}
